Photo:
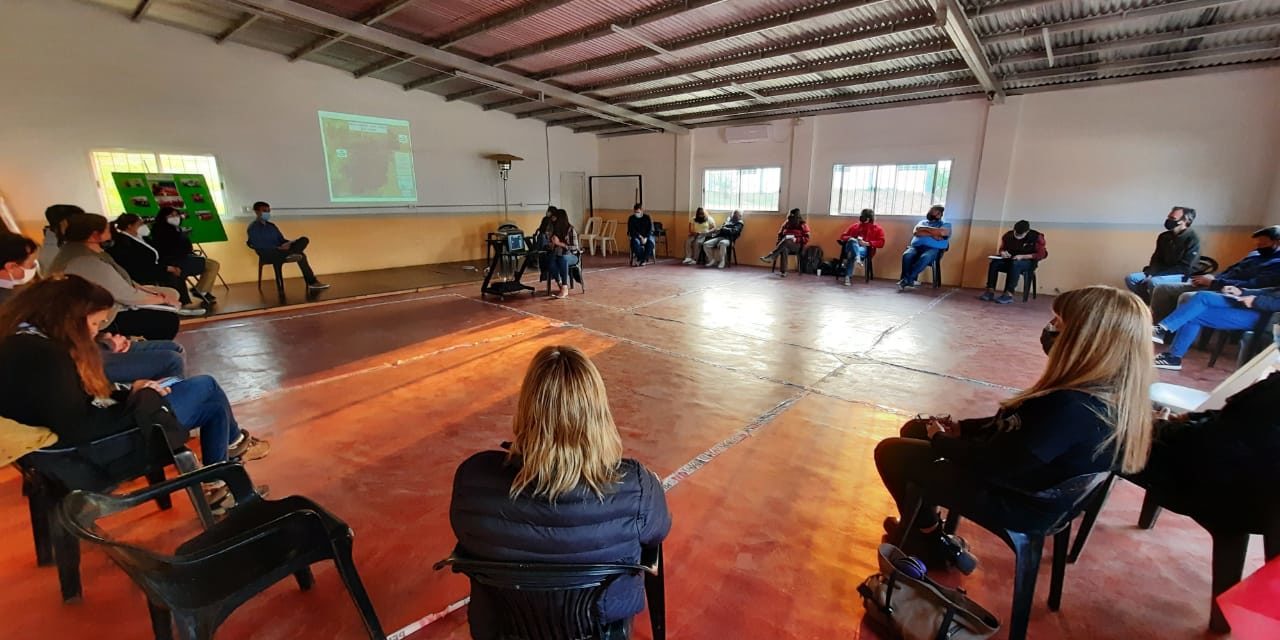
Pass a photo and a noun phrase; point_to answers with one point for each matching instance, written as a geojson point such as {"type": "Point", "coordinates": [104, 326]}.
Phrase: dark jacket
{"type": "Point", "coordinates": [641, 227]}
{"type": "Point", "coordinates": [1255, 271]}
{"type": "Point", "coordinates": [138, 258]}
{"type": "Point", "coordinates": [1176, 254]}
{"type": "Point", "coordinates": [1264, 300]}
{"type": "Point", "coordinates": [264, 236]}
{"type": "Point", "coordinates": [578, 528]}
{"type": "Point", "coordinates": [171, 242]}
{"type": "Point", "coordinates": [731, 229]}
{"type": "Point", "coordinates": [1032, 244]}
{"type": "Point", "coordinates": [42, 389]}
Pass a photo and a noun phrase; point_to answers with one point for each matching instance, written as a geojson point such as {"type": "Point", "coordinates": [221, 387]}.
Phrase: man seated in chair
{"type": "Point", "coordinates": [859, 242]}
{"type": "Point", "coordinates": [1259, 269]}
{"type": "Point", "coordinates": [640, 233]}
{"type": "Point", "coordinates": [1231, 309]}
{"type": "Point", "coordinates": [723, 238]}
{"type": "Point", "coordinates": [929, 239]}
{"type": "Point", "coordinates": [271, 245]}
{"type": "Point", "coordinates": [1021, 249]}
{"type": "Point", "coordinates": [1175, 257]}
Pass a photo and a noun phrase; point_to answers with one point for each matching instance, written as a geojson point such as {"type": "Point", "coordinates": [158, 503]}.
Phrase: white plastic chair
{"type": "Point", "coordinates": [591, 234]}
{"type": "Point", "coordinates": [1179, 399]}
{"type": "Point", "coordinates": [609, 236]}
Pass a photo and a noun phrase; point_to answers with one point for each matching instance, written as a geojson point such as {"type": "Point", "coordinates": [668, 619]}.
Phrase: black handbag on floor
{"type": "Point", "coordinates": [913, 607]}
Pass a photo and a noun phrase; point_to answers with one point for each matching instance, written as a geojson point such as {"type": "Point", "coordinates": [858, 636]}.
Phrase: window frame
{"type": "Point", "coordinates": [837, 193]}
{"type": "Point", "coordinates": [740, 168]}
{"type": "Point", "coordinates": [217, 185]}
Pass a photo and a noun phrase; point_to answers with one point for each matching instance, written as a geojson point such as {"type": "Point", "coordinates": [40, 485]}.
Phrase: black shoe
{"type": "Point", "coordinates": [1005, 299]}
{"type": "Point", "coordinates": [987, 296]}
{"type": "Point", "coordinates": [1159, 335]}
{"type": "Point", "coordinates": [1169, 362]}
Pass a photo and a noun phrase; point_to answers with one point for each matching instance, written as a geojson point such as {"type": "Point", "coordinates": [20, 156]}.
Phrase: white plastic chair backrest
{"type": "Point", "coordinates": [592, 223]}
{"type": "Point", "coordinates": [1182, 399]}
{"type": "Point", "coordinates": [610, 229]}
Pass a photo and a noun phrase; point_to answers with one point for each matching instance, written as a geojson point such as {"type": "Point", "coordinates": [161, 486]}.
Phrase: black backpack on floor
{"type": "Point", "coordinates": [810, 259]}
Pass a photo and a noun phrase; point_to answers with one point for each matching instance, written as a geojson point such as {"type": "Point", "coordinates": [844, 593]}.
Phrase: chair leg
{"type": "Point", "coordinates": [1150, 512]}
{"type": "Point", "coordinates": [1229, 550]}
{"type": "Point", "coordinates": [164, 502]}
{"type": "Point", "coordinates": [655, 591]}
{"type": "Point", "coordinates": [1061, 541]}
{"type": "Point", "coordinates": [1090, 517]}
{"type": "Point", "coordinates": [1218, 346]}
{"type": "Point", "coordinates": [66, 552]}
{"type": "Point", "coordinates": [908, 521]}
{"type": "Point", "coordinates": [347, 571]}
{"type": "Point", "coordinates": [40, 507]}
{"type": "Point", "coordinates": [305, 578]}
{"type": "Point", "coordinates": [193, 626]}
{"type": "Point", "coordinates": [279, 269]}
{"type": "Point", "coordinates": [1027, 551]}
{"type": "Point", "coordinates": [260, 265]}
{"type": "Point", "coordinates": [161, 621]}
{"type": "Point", "coordinates": [186, 462]}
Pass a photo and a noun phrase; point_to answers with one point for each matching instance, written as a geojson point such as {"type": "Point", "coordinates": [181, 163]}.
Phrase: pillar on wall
{"type": "Point", "coordinates": [685, 182]}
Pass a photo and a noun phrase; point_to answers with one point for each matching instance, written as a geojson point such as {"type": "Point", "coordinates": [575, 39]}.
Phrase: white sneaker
{"type": "Point", "coordinates": [689, 261]}
{"type": "Point", "coordinates": [192, 312]}
{"type": "Point", "coordinates": [720, 266]}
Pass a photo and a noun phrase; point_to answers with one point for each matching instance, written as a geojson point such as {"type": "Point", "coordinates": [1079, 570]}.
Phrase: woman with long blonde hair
{"type": "Point", "coordinates": [563, 493]}
{"type": "Point", "coordinates": [1088, 412]}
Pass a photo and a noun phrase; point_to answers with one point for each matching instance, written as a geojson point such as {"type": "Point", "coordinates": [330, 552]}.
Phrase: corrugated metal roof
{"type": "Point", "coordinates": [807, 54]}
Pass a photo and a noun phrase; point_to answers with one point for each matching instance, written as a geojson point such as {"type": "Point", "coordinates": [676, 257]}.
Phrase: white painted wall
{"type": "Point", "coordinates": [78, 77]}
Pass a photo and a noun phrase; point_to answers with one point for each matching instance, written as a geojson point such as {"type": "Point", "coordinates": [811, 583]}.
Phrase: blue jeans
{"type": "Point", "coordinates": [200, 403]}
{"type": "Point", "coordinates": [851, 249]}
{"type": "Point", "coordinates": [1142, 284]}
{"type": "Point", "coordinates": [642, 249]}
{"type": "Point", "coordinates": [1207, 309]}
{"type": "Point", "coordinates": [1015, 269]}
{"type": "Point", "coordinates": [914, 261]}
{"type": "Point", "coordinates": [560, 267]}
{"type": "Point", "coordinates": [146, 360]}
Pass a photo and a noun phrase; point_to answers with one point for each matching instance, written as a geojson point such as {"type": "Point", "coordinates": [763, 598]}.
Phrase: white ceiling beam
{"type": "Point", "coordinates": [957, 27]}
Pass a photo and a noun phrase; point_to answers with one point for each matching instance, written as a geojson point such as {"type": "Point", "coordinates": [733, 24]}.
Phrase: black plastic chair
{"type": "Point", "coordinates": [575, 275]}
{"type": "Point", "coordinates": [1204, 266]}
{"type": "Point", "coordinates": [277, 264]}
{"type": "Point", "coordinates": [1249, 343]}
{"type": "Point", "coordinates": [259, 543]}
{"type": "Point", "coordinates": [660, 231]}
{"type": "Point", "coordinates": [1028, 546]}
{"type": "Point", "coordinates": [1029, 282]}
{"type": "Point", "coordinates": [868, 266]}
{"type": "Point", "coordinates": [50, 474]}
{"type": "Point", "coordinates": [936, 266]}
{"type": "Point", "coordinates": [560, 601]}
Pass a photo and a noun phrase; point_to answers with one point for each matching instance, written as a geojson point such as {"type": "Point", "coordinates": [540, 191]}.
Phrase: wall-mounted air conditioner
{"type": "Point", "coordinates": [749, 133]}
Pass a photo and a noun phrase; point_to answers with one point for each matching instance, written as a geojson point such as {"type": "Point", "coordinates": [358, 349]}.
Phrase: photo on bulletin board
{"type": "Point", "coordinates": [144, 193]}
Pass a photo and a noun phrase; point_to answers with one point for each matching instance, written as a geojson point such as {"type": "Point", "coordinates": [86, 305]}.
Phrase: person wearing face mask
{"type": "Point", "coordinates": [18, 263]}
{"type": "Point", "coordinates": [271, 245]}
{"type": "Point", "coordinates": [859, 243]}
{"type": "Point", "coordinates": [929, 239]}
{"type": "Point", "coordinates": [1258, 270]}
{"type": "Point", "coordinates": [1021, 249]}
{"type": "Point", "coordinates": [701, 227]}
{"type": "Point", "coordinates": [178, 255]}
{"type": "Point", "coordinates": [640, 232]}
{"type": "Point", "coordinates": [57, 216]}
{"type": "Point", "coordinates": [717, 246]}
{"type": "Point", "coordinates": [141, 261]}
{"type": "Point", "coordinates": [1175, 257]}
{"type": "Point", "coordinates": [142, 310]}
{"type": "Point", "coordinates": [793, 235]}
{"type": "Point", "coordinates": [1231, 309]}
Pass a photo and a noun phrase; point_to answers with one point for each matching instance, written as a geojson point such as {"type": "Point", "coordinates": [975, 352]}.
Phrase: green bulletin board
{"type": "Point", "coordinates": [144, 193]}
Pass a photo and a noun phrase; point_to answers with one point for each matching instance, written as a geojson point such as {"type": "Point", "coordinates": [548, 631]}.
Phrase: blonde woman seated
{"type": "Point", "coordinates": [562, 494]}
{"type": "Point", "coordinates": [1089, 412]}
{"type": "Point", "coordinates": [701, 228]}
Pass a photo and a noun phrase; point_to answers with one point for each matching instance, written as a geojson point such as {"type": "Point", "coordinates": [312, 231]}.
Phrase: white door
{"type": "Point", "coordinates": [573, 199]}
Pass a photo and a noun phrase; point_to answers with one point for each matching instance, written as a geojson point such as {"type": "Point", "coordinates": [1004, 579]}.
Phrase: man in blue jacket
{"type": "Point", "coordinates": [271, 245]}
{"type": "Point", "coordinates": [1232, 309]}
{"type": "Point", "coordinates": [929, 239]}
{"type": "Point", "coordinates": [1258, 270]}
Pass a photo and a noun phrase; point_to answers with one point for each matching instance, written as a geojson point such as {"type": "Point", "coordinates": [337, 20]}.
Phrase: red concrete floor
{"type": "Point", "coordinates": [370, 405]}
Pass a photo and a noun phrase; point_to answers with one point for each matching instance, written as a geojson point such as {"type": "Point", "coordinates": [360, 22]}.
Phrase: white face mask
{"type": "Point", "coordinates": [27, 275]}
{"type": "Point", "coordinates": [639, 213]}
{"type": "Point", "coordinates": [174, 221]}
{"type": "Point", "coordinates": [144, 231]}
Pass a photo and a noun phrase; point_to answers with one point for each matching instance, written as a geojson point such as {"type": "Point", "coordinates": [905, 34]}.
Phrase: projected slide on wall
{"type": "Point", "coordinates": [367, 159]}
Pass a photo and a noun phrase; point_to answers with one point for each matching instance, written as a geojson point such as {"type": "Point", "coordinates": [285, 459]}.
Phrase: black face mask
{"type": "Point", "coordinates": [1047, 337]}
{"type": "Point", "coordinates": [1267, 251]}
{"type": "Point", "coordinates": [1169, 224]}
{"type": "Point", "coordinates": [107, 244]}
{"type": "Point", "coordinates": [864, 219]}
{"type": "Point", "coordinates": [933, 217]}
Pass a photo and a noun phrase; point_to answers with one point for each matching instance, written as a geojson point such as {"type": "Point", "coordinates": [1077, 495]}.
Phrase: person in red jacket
{"type": "Point", "coordinates": [860, 242]}
{"type": "Point", "coordinates": [792, 237]}
{"type": "Point", "coordinates": [1020, 251]}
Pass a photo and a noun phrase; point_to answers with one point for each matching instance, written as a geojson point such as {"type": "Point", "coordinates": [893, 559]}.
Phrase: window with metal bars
{"type": "Point", "coordinates": [749, 190]}
{"type": "Point", "coordinates": [889, 189]}
{"type": "Point", "coordinates": [107, 162]}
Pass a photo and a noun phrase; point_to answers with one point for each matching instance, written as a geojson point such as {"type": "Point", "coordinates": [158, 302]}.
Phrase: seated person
{"type": "Point", "coordinates": [717, 245]}
{"type": "Point", "coordinates": [57, 215]}
{"type": "Point", "coordinates": [859, 242]}
{"type": "Point", "coordinates": [1212, 464]}
{"type": "Point", "coordinates": [271, 245]}
{"type": "Point", "coordinates": [1176, 254]}
{"type": "Point", "coordinates": [177, 252]}
{"type": "Point", "coordinates": [1231, 309]}
{"type": "Point", "coordinates": [701, 227]}
{"type": "Point", "coordinates": [1021, 249]}
{"type": "Point", "coordinates": [929, 239]}
{"type": "Point", "coordinates": [52, 373]}
{"type": "Point", "coordinates": [563, 493]}
{"type": "Point", "coordinates": [123, 360]}
{"type": "Point", "coordinates": [1258, 270]}
{"type": "Point", "coordinates": [564, 251]}
{"type": "Point", "coordinates": [1088, 412]}
{"type": "Point", "coordinates": [141, 261]}
{"type": "Point", "coordinates": [640, 232]}
{"type": "Point", "coordinates": [793, 235]}
{"type": "Point", "coordinates": [83, 255]}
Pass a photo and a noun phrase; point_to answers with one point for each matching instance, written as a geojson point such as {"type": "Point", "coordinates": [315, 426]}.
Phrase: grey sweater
{"type": "Point", "coordinates": [76, 258]}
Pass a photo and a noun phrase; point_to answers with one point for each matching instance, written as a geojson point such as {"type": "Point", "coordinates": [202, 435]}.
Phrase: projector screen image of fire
{"type": "Point", "coordinates": [367, 159]}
